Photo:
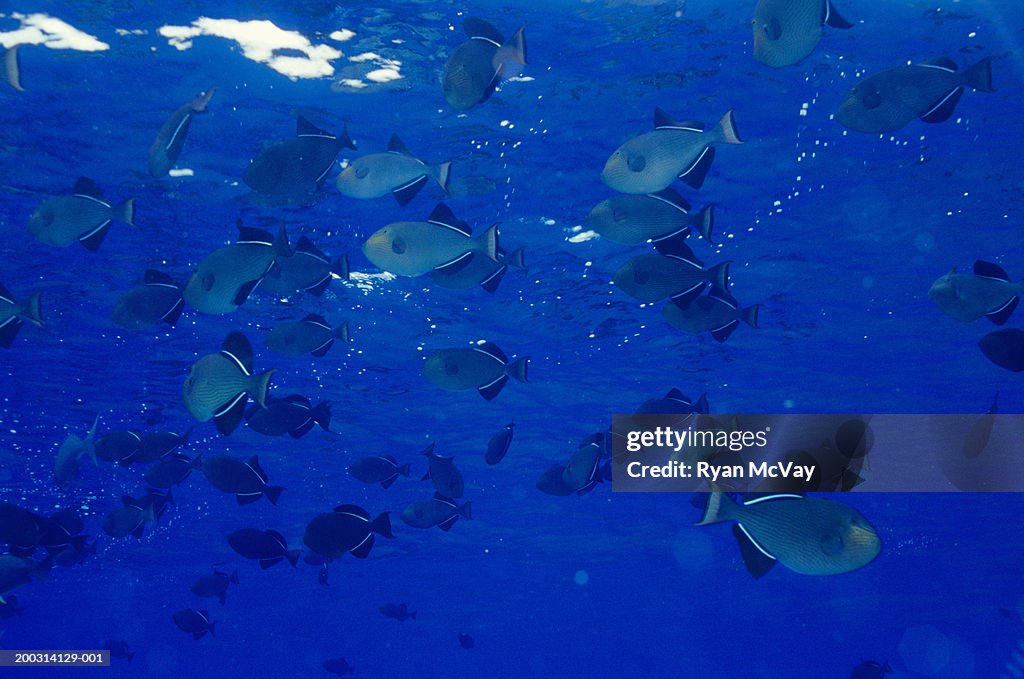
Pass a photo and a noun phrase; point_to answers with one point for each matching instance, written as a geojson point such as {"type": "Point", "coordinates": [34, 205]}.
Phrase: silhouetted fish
{"type": "Point", "coordinates": [118, 446]}
{"type": "Point", "coordinates": [305, 270]}
{"type": "Point", "coordinates": [478, 269]}
{"type": "Point", "coordinates": [312, 335]}
{"type": "Point", "coordinates": [119, 649]}
{"type": "Point", "coordinates": [223, 280]}
{"type": "Point", "coordinates": [159, 445]}
{"type": "Point", "coordinates": [158, 300]}
{"type": "Point", "coordinates": [887, 101]}
{"type": "Point", "coordinates": [266, 546]}
{"type": "Point", "coordinates": [871, 669]}
{"type": "Point", "coordinates": [1005, 348]}
{"type": "Point", "coordinates": [438, 511]}
{"type": "Point", "coordinates": [215, 585]}
{"type": "Point", "coordinates": [347, 529]}
{"type": "Point", "coordinates": [383, 469]}
{"type": "Point", "coordinates": [399, 612]}
{"type": "Point", "coordinates": [12, 313]}
{"type": "Point", "coordinates": [484, 368]}
{"type": "Point", "coordinates": [657, 217]}
{"type": "Point", "coordinates": [717, 312]}
{"type": "Point", "coordinates": [466, 641]}
{"type": "Point", "coordinates": [649, 162]}
{"type": "Point", "coordinates": [474, 70]}
{"type": "Point", "coordinates": [293, 415]}
{"type": "Point", "coordinates": [16, 571]}
{"type": "Point", "coordinates": [84, 216]}
{"type": "Point", "coordinates": [338, 667]}
{"type": "Point", "coordinates": [397, 172]}
{"type": "Point", "coordinates": [245, 479]}
{"type": "Point", "coordinates": [169, 141]}
{"type": "Point", "coordinates": [169, 472]}
{"type": "Point", "coordinates": [988, 292]}
{"type": "Point", "coordinates": [131, 517]}
{"type": "Point", "coordinates": [674, 274]}
{"type": "Point", "coordinates": [786, 31]}
{"type": "Point", "coordinates": [11, 68]}
{"type": "Point", "coordinates": [218, 383]}
{"type": "Point", "coordinates": [552, 482]}
{"type": "Point", "coordinates": [196, 623]}
{"type": "Point", "coordinates": [297, 166]}
{"type": "Point", "coordinates": [673, 403]}
{"type": "Point", "coordinates": [584, 471]}
{"type": "Point", "coordinates": [499, 444]}
{"type": "Point", "coordinates": [65, 467]}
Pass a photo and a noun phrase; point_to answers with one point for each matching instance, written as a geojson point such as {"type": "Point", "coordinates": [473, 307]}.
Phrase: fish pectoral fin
{"type": "Point", "coordinates": [1002, 314]}
{"type": "Point", "coordinates": [757, 559]}
{"type": "Point", "coordinates": [944, 108]}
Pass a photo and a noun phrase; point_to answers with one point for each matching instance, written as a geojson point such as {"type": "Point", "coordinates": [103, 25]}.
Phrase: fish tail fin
{"type": "Point", "coordinates": [322, 415]}
{"type": "Point", "coordinates": [32, 311]}
{"type": "Point", "coordinates": [488, 241]}
{"type": "Point", "coordinates": [979, 76]}
{"type": "Point", "coordinates": [749, 314]}
{"type": "Point", "coordinates": [720, 507]}
{"type": "Point", "coordinates": [260, 385]}
{"type": "Point", "coordinates": [341, 332]}
{"type": "Point", "coordinates": [727, 129]}
{"type": "Point", "coordinates": [41, 570]}
{"type": "Point", "coordinates": [405, 470]}
{"type": "Point", "coordinates": [718, 275]}
{"type": "Point", "coordinates": [125, 211]}
{"type": "Point", "coordinates": [200, 103]}
{"type": "Point", "coordinates": [273, 493]}
{"type": "Point", "coordinates": [281, 246]}
{"type": "Point", "coordinates": [466, 510]}
{"type": "Point", "coordinates": [514, 49]}
{"type": "Point", "coordinates": [345, 140]}
{"type": "Point", "coordinates": [293, 556]}
{"type": "Point", "coordinates": [516, 258]}
{"type": "Point", "coordinates": [12, 72]}
{"type": "Point", "coordinates": [442, 173]}
{"type": "Point", "coordinates": [234, 577]}
{"type": "Point", "coordinates": [704, 222]}
{"type": "Point", "coordinates": [518, 367]}
{"type": "Point", "coordinates": [340, 268]}
{"type": "Point", "coordinates": [382, 525]}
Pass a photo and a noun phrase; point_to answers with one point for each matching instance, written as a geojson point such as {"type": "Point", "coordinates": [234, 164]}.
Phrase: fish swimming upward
{"type": "Point", "coordinates": [811, 536]}
{"type": "Point", "coordinates": [650, 162]}
{"type": "Point", "coordinates": [786, 31]}
{"type": "Point", "coordinates": [474, 70]}
{"type": "Point", "coordinates": [987, 292]}
{"type": "Point", "coordinates": [397, 172]}
{"type": "Point", "coordinates": [11, 69]}
{"type": "Point", "coordinates": [83, 216]}
{"type": "Point", "coordinates": [887, 101]}
{"type": "Point", "coordinates": [13, 313]}
{"type": "Point", "coordinates": [166, 148]}
{"type": "Point", "coordinates": [297, 166]}
{"type": "Point", "coordinates": [70, 453]}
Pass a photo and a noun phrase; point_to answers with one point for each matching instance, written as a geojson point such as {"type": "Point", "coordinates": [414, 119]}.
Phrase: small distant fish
{"type": "Point", "coordinates": [11, 68]}
{"type": "Point", "coordinates": [399, 612]}
{"type": "Point", "coordinates": [293, 415]}
{"type": "Point", "coordinates": [118, 446]}
{"type": "Point", "coordinates": [224, 280]}
{"type": "Point", "coordinates": [119, 649]}
{"type": "Point", "coordinates": [218, 383]}
{"type": "Point", "coordinates": [443, 473]}
{"type": "Point", "coordinates": [650, 162]}
{"type": "Point", "coordinates": [9, 608]}
{"type": "Point", "coordinates": [673, 403]}
{"type": "Point", "coordinates": [397, 172]}
{"type": "Point", "coordinates": [65, 467]}
{"type": "Point", "coordinates": [158, 300]}
{"type": "Point", "coordinates": [811, 536]}
{"type": "Point", "coordinates": [83, 216]}
{"type": "Point", "coordinates": [382, 469]}
{"type": "Point", "coordinates": [717, 312]}
{"type": "Point", "coordinates": [987, 292]}
{"type": "Point", "coordinates": [1005, 348]}
{"type": "Point", "coordinates": [170, 472]}
{"type": "Point", "coordinates": [474, 70]}
{"type": "Point", "coordinates": [338, 667]}
{"type": "Point", "coordinates": [196, 623]}
{"type": "Point", "coordinates": [871, 669]}
{"type": "Point", "coordinates": [438, 511]}
{"type": "Point", "coordinates": [674, 274]}
{"type": "Point", "coordinates": [12, 313]}
{"type": "Point", "coordinates": [887, 101]}
{"type": "Point", "coordinates": [347, 529]}
{"type": "Point", "coordinates": [312, 335]}
{"type": "Point", "coordinates": [159, 445]}
{"type": "Point", "coordinates": [305, 270]}
{"type": "Point", "coordinates": [786, 31]}
{"type": "Point", "coordinates": [658, 217]}
{"type": "Point", "coordinates": [246, 480]}
{"type": "Point", "coordinates": [441, 242]}
{"type": "Point", "coordinates": [479, 269]}
{"type": "Point", "coordinates": [215, 585]}
{"type": "Point", "coordinates": [166, 148]}
{"type": "Point", "coordinates": [499, 444]}
{"type": "Point", "coordinates": [466, 641]}
{"type": "Point", "coordinates": [484, 368]}
{"type": "Point", "coordinates": [297, 166]}
{"type": "Point", "coordinates": [16, 571]}
{"type": "Point", "coordinates": [266, 546]}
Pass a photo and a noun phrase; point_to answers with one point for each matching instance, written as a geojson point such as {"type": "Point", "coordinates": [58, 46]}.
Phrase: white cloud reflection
{"type": "Point", "coordinates": [49, 31]}
{"type": "Point", "coordinates": [261, 41]}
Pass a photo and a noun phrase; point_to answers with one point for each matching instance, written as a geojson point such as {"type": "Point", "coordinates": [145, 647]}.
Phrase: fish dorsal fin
{"type": "Point", "coordinates": [676, 248]}
{"type": "Point", "coordinates": [943, 63]}
{"type": "Point", "coordinates": [663, 121]}
{"type": "Point", "coordinates": [755, 557]}
{"type": "Point", "coordinates": [353, 510]}
{"type": "Point", "coordinates": [129, 501]}
{"type": "Point", "coordinates": [154, 277]}
{"type": "Point", "coordinates": [299, 400]}
{"type": "Point", "coordinates": [492, 350]}
{"type": "Point", "coordinates": [443, 216]}
{"type": "Point", "coordinates": [772, 496]}
{"type": "Point", "coordinates": [238, 349]}
{"type": "Point", "coordinates": [478, 28]}
{"type": "Point", "coordinates": [444, 499]}
{"type": "Point", "coordinates": [676, 395]}
{"type": "Point", "coordinates": [253, 463]}
{"type": "Point", "coordinates": [316, 319]}
{"type": "Point", "coordinates": [305, 128]}
{"type": "Point", "coordinates": [251, 236]}
{"type": "Point", "coordinates": [306, 247]}
{"type": "Point", "coordinates": [88, 188]}
{"type": "Point", "coordinates": [278, 538]}
{"type": "Point", "coordinates": [989, 270]}
{"type": "Point", "coordinates": [395, 145]}
{"type": "Point", "coordinates": [672, 197]}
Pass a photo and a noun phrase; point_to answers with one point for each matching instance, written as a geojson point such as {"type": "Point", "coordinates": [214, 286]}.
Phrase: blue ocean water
{"type": "Point", "coordinates": [837, 234]}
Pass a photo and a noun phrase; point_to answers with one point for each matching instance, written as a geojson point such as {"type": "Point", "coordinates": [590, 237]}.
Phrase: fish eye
{"type": "Point", "coordinates": [362, 172]}
{"type": "Point", "coordinates": [398, 246]}
{"type": "Point", "coordinates": [871, 99]}
{"type": "Point", "coordinates": [636, 163]}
